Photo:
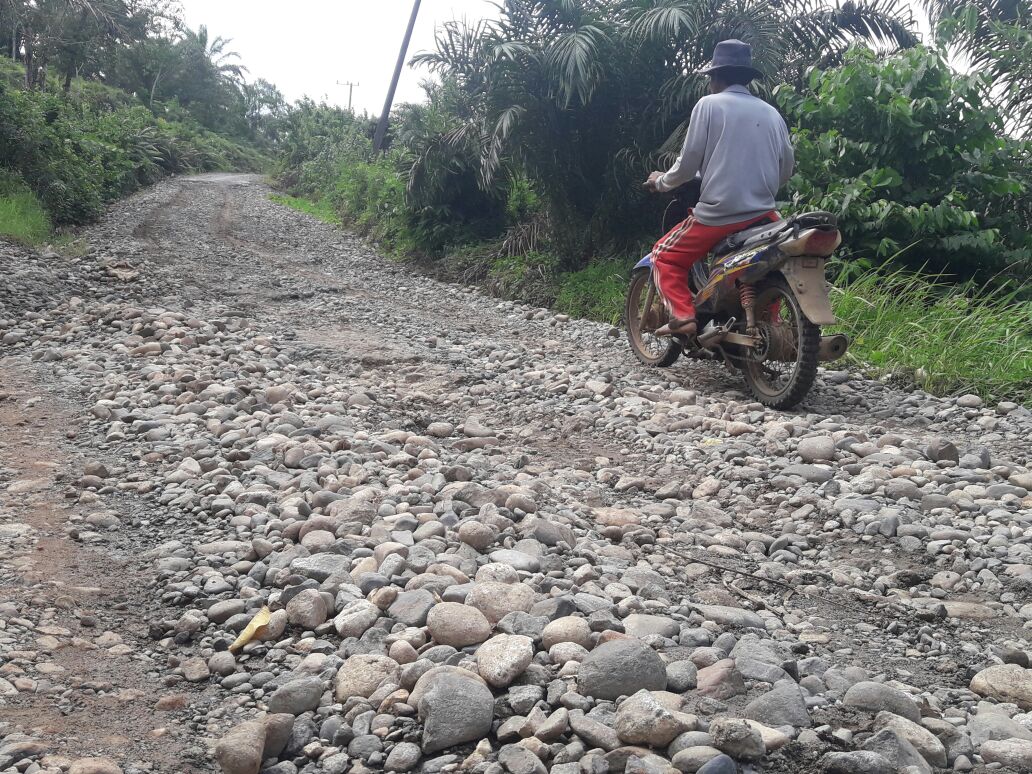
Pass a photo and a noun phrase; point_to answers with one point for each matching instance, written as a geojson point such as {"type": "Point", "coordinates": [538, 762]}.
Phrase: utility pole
{"type": "Point", "coordinates": [351, 87]}
{"type": "Point", "coordinates": [381, 127]}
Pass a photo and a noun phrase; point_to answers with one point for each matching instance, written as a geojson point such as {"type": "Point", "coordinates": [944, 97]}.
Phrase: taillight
{"type": "Point", "coordinates": [813, 241]}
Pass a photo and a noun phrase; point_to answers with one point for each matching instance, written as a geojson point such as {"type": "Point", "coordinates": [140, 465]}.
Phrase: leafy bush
{"type": "Point", "coordinates": [371, 197]}
{"type": "Point", "coordinates": [914, 161]}
{"type": "Point", "coordinates": [585, 97]}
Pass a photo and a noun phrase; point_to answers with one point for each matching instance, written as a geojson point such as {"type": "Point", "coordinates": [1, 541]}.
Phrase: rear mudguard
{"type": "Point", "coordinates": [805, 275]}
{"type": "Point", "coordinates": [644, 263]}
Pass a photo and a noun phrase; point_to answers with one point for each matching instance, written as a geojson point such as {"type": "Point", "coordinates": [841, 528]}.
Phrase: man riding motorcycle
{"type": "Point", "coordinates": [740, 145]}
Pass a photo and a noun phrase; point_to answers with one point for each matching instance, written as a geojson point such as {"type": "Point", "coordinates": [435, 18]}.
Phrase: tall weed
{"type": "Point", "coordinates": [946, 339]}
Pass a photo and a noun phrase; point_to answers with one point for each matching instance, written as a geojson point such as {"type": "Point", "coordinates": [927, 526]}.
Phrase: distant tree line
{"type": "Point", "coordinates": [141, 47]}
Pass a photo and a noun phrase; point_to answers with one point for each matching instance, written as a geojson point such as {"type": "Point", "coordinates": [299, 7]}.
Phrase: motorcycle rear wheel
{"type": "Point", "coordinates": [782, 381]}
{"type": "Point", "coordinates": [653, 351]}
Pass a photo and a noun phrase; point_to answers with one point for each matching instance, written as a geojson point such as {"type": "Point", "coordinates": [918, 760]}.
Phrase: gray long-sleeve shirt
{"type": "Point", "coordinates": [741, 146]}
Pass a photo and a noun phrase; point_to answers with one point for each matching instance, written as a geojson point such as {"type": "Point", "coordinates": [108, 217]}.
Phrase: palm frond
{"type": "Point", "coordinates": [574, 57]}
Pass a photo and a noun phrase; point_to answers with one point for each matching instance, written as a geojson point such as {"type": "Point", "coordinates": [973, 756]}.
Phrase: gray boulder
{"type": "Point", "coordinates": [454, 709]}
{"type": "Point", "coordinates": [620, 668]}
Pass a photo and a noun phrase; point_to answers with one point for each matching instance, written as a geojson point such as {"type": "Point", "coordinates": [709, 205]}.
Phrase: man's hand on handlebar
{"type": "Point", "coordinates": [650, 184]}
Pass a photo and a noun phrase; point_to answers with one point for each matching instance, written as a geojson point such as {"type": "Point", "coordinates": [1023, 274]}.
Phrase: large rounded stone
{"type": "Point", "coordinates": [497, 600]}
{"type": "Point", "coordinates": [1005, 683]}
{"type": "Point", "coordinates": [1012, 754]}
{"type": "Point", "coordinates": [362, 674]}
{"type": "Point", "coordinates": [477, 535]}
{"type": "Point", "coordinates": [297, 696]}
{"type": "Point", "coordinates": [454, 709]}
{"type": "Point", "coordinates": [642, 719]}
{"type": "Point", "coordinates": [720, 680]}
{"type": "Point", "coordinates": [783, 705]}
{"type": "Point", "coordinates": [458, 625]}
{"type": "Point", "coordinates": [817, 448]}
{"type": "Point", "coordinates": [307, 609]}
{"type": "Point", "coordinates": [412, 607]}
{"type": "Point", "coordinates": [856, 762]}
{"type": "Point", "coordinates": [620, 668]}
{"type": "Point", "coordinates": [240, 750]}
{"type": "Point", "coordinates": [738, 739]}
{"type": "Point", "coordinates": [502, 659]}
{"type": "Point", "coordinates": [876, 697]}
{"type": "Point", "coordinates": [923, 740]}
{"type": "Point", "coordinates": [641, 625]}
{"type": "Point", "coordinates": [569, 628]}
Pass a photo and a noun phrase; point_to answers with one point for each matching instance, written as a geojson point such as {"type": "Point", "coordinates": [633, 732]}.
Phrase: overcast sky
{"type": "Point", "coordinates": [306, 46]}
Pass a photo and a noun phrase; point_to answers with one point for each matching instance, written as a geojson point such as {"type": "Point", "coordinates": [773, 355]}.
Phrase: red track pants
{"type": "Point", "coordinates": [676, 253]}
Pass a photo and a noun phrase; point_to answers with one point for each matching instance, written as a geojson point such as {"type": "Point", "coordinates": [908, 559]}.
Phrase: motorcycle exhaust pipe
{"type": "Point", "coordinates": [832, 347]}
{"type": "Point", "coordinates": [713, 334]}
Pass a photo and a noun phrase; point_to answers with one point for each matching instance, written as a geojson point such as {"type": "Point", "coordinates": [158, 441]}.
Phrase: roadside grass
{"type": "Point", "coordinates": [321, 208]}
{"type": "Point", "coordinates": [596, 292]}
{"type": "Point", "coordinates": [936, 335]}
{"type": "Point", "coordinates": [22, 217]}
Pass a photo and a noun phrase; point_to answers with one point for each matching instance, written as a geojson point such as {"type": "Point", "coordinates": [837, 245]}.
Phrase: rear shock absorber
{"type": "Point", "coordinates": [747, 297]}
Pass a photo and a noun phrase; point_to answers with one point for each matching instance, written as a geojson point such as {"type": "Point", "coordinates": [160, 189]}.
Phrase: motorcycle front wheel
{"type": "Point", "coordinates": [643, 314]}
{"type": "Point", "coordinates": [782, 370]}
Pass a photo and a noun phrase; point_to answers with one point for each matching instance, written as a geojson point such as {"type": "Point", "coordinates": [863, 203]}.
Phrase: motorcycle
{"type": "Point", "coordinates": [760, 299]}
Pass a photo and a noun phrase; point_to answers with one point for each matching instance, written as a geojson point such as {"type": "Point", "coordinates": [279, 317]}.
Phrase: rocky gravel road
{"type": "Point", "coordinates": [270, 502]}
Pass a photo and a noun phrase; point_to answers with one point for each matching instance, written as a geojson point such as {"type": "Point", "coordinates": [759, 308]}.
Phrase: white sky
{"type": "Point", "coordinates": [306, 46]}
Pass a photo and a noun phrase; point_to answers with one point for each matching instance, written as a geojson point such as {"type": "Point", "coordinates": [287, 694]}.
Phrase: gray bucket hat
{"type": "Point", "coordinates": [731, 54]}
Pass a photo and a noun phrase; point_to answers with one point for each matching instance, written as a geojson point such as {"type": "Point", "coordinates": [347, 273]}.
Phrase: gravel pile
{"type": "Point", "coordinates": [464, 535]}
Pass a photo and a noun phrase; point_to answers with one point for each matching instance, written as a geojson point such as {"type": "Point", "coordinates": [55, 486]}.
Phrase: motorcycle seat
{"type": "Point", "coordinates": [751, 236]}
{"type": "Point", "coordinates": [768, 230]}
{"type": "Point", "coordinates": [816, 219]}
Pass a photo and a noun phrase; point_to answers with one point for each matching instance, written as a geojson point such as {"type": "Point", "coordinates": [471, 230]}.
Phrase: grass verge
{"type": "Point", "coordinates": [321, 209]}
{"type": "Point", "coordinates": [945, 340]}
{"type": "Point", "coordinates": [596, 292]}
{"type": "Point", "coordinates": [22, 217]}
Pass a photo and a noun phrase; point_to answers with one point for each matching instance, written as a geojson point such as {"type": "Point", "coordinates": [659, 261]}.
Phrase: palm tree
{"type": "Point", "coordinates": [214, 54]}
{"type": "Point", "coordinates": [995, 37]}
{"type": "Point", "coordinates": [580, 94]}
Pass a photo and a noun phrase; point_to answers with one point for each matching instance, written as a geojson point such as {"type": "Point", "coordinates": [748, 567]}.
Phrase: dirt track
{"type": "Point", "coordinates": [217, 371]}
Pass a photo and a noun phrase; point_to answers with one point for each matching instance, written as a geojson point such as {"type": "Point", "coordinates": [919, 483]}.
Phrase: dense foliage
{"type": "Point", "coordinates": [76, 155]}
{"type": "Point", "coordinates": [914, 159]}
{"type": "Point", "coordinates": [994, 37]}
{"type": "Point", "coordinates": [580, 97]}
{"type": "Point", "coordinates": [100, 97]}
{"type": "Point", "coordinates": [140, 47]}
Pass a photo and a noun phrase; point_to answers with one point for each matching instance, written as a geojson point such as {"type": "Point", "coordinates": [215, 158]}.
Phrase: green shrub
{"type": "Point", "coordinates": [596, 292]}
{"type": "Point", "coordinates": [370, 196]}
{"type": "Point", "coordinates": [531, 277]}
{"type": "Point", "coordinates": [76, 154]}
{"type": "Point", "coordinates": [914, 161]}
{"type": "Point", "coordinates": [22, 217]}
{"type": "Point", "coordinates": [321, 209]}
